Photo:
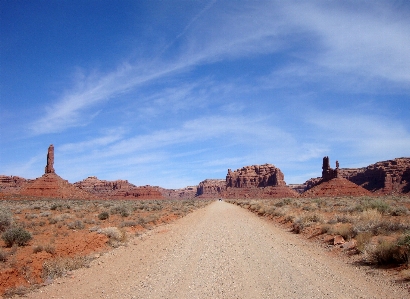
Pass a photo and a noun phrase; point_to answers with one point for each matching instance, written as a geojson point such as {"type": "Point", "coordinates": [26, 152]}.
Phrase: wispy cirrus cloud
{"type": "Point", "coordinates": [367, 42]}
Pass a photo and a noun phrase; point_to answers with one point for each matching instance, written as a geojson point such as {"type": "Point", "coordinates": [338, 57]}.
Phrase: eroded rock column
{"type": "Point", "coordinates": [50, 160]}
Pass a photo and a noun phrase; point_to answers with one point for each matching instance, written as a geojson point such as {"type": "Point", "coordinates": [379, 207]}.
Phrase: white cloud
{"type": "Point", "coordinates": [353, 43]}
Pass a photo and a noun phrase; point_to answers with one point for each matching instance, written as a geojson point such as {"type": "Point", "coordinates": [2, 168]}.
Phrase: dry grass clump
{"type": "Point", "coordinates": [343, 229]}
{"type": "Point", "coordinates": [77, 224]}
{"type": "Point", "coordinates": [387, 252]}
{"type": "Point", "coordinates": [49, 248]}
{"type": "Point", "coordinates": [405, 274]}
{"type": "Point", "coordinates": [60, 266]}
{"type": "Point", "coordinates": [117, 237]}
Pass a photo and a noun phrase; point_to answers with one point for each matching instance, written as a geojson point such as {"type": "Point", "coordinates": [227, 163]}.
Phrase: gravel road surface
{"type": "Point", "coordinates": [221, 251]}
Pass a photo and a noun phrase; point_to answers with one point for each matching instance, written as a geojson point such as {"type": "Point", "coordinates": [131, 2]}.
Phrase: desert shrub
{"type": "Point", "coordinates": [343, 229]}
{"type": "Point", "coordinates": [60, 266]}
{"type": "Point", "coordinates": [3, 256]}
{"type": "Point", "coordinates": [284, 202]}
{"type": "Point", "coordinates": [19, 291]}
{"type": "Point", "coordinates": [309, 219]}
{"type": "Point", "coordinates": [363, 239]}
{"type": "Point", "coordinates": [16, 235]}
{"type": "Point", "coordinates": [115, 235]}
{"type": "Point", "coordinates": [37, 248]}
{"type": "Point", "coordinates": [77, 224]}
{"type": "Point", "coordinates": [122, 210]}
{"type": "Point", "coordinates": [128, 223]}
{"type": "Point", "coordinates": [399, 211]}
{"type": "Point", "coordinates": [324, 228]}
{"type": "Point", "coordinates": [405, 274]}
{"type": "Point", "coordinates": [103, 215]}
{"type": "Point", "coordinates": [5, 220]}
{"type": "Point", "coordinates": [52, 221]}
{"type": "Point", "coordinates": [388, 252]}
{"type": "Point", "coordinates": [45, 214]}
{"type": "Point", "coordinates": [378, 204]}
{"type": "Point", "coordinates": [31, 216]}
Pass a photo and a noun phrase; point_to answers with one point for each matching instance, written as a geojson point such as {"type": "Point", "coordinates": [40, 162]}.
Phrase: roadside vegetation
{"type": "Point", "coordinates": [42, 239]}
{"type": "Point", "coordinates": [374, 229]}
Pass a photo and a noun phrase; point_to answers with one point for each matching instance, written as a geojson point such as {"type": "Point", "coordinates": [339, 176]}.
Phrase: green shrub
{"type": "Point", "coordinates": [16, 235]}
{"type": "Point", "coordinates": [5, 220]}
{"type": "Point", "coordinates": [103, 215]}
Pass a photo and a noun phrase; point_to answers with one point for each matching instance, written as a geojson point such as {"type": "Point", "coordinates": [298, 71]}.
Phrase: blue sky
{"type": "Point", "coordinates": [170, 93]}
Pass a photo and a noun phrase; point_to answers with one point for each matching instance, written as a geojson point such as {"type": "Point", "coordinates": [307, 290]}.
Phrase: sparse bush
{"type": "Point", "coordinates": [405, 274]}
{"type": "Point", "coordinates": [363, 239]}
{"type": "Point", "coordinates": [37, 248]}
{"type": "Point", "coordinates": [52, 221]}
{"type": "Point", "coordinates": [128, 223]}
{"type": "Point", "coordinates": [77, 224]}
{"type": "Point", "coordinates": [382, 206]}
{"type": "Point", "coordinates": [45, 214]}
{"type": "Point", "coordinates": [115, 235]}
{"type": "Point", "coordinates": [122, 210]}
{"type": "Point", "coordinates": [3, 256]}
{"type": "Point", "coordinates": [16, 235]}
{"type": "Point", "coordinates": [31, 216]}
{"type": "Point", "coordinates": [388, 252]}
{"type": "Point", "coordinates": [103, 215]}
{"type": "Point", "coordinates": [399, 211]}
{"type": "Point", "coordinates": [343, 229]}
{"type": "Point", "coordinates": [5, 220]}
{"type": "Point", "coordinates": [60, 266]}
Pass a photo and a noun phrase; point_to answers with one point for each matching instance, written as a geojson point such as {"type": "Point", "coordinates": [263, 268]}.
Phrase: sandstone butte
{"type": "Point", "coordinates": [119, 189]}
{"type": "Point", "coordinates": [381, 178]}
{"type": "Point", "coordinates": [333, 184]}
{"type": "Point", "coordinates": [256, 181]}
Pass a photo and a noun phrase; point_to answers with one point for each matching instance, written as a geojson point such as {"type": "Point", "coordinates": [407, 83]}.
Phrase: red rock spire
{"type": "Point", "coordinates": [50, 160]}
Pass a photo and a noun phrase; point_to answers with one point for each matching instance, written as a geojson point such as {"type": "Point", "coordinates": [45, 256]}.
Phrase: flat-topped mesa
{"type": "Point", "coordinates": [384, 177]}
{"type": "Point", "coordinates": [50, 160]}
{"type": "Point", "coordinates": [255, 176]}
{"type": "Point", "coordinates": [119, 189]}
{"type": "Point", "coordinates": [211, 187]}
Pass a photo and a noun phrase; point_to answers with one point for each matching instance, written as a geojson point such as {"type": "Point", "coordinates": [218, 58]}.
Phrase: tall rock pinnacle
{"type": "Point", "coordinates": [50, 160]}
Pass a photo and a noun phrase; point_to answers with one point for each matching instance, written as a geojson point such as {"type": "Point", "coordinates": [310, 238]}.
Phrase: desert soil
{"type": "Point", "coordinates": [220, 251]}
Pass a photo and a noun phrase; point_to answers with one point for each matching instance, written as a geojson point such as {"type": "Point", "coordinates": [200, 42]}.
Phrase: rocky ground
{"type": "Point", "coordinates": [221, 251]}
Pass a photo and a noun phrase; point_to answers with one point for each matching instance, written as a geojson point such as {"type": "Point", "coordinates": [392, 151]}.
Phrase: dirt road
{"type": "Point", "coordinates": [221, 251]}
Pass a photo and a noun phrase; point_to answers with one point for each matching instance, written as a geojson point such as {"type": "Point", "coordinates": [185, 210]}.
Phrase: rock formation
{"type": "Point", "coordinates": [255, 176]}
{"type": "Point", "coordinates": [50, 185]}
{"type": "Point", "coordinates": [333, 184]}
{"type": "Point", "coordinates": [336, 187]}
{"type": "Point", "coordinates": [12, 184]}
{"type": "Point", "coordinates": [50, 160]}
{"type": "Point", "coordinates": [385, 177]}
{"type": "Point", "coordinates": [257, 181]}
{"type": "Point", "coordinates": [119, 189]}
{"type": "Point", "coordinates": [188, 192]}
{"type": "Point", "coordinates": [211, 188]}
{"type": "Point", "coordinates": [329, 173]}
